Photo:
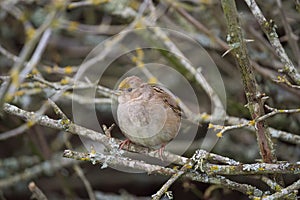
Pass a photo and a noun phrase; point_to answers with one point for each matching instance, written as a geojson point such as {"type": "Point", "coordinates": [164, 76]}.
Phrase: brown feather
{"type": "Point", "coordinates": [168, 99]}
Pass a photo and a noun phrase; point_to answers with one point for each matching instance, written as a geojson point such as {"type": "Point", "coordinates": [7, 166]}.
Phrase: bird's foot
{"type": "Point", "coordinates": [124, 143]}
{"type": "Point", "coordinates": [161, 151]}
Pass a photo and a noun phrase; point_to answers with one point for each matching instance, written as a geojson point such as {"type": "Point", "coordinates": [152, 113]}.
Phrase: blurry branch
{"type": "Point", "coordinates": [273, 112]}
{"type": "Point", "coordinates": [18, 14]}
{"type": "Point", "coordinates": [297, 3]}
{"type": "Point", "coordinates": [84, 100]}
{"type": "Point", "coordinates": [36, 192]}
{"type": "Point", "coordinates": [110, 44]}
{"type": "Point", "coordinates": [284, 192]}
{"type": "Point", "coordinates": [19, 130]}
{"type": "Point", "coordinates": [80, 172]}
{"type": "Point", "coordinates": [16, 163]}
{"type": "Point", "coordinates": [16, 131]}
{"type": "Point", "coordinates": [36, 84]}
{"type": "Point", "coordinates": [67, 70]}
{"type": "Point", "coordinates": [103, 28]}
{"type": "Point", "coordinates": [269, 28]}
{"type": "Point", "coordinates": [194, 7]}
{"type": "Point", "coordinates": [73, 5]}
{"type": "Point", "coordinates": [261, 40]}
{"type": "Point", "coordinates": [201, 27]}
{"type": "Point", "coordinates": [254, 96]}
{"type": "Point", "coordinates": [123, 195]}
{"type": "Point", "coordinates": [223, 129]}
{"type": "Point", "coordinates": [7, 54]}
{"type": "Point", "coordinates": [18, 72]}
{"type": "Point", "coordinates": [280, 80]}
{"type": "Point", "coordinates": [292, 38]}
{"type": "Point", "coordinates": [46, 167]}
{"type": "Point", "coordinates": [273, 185]}
{"type": "Point", "coordinates": [138, 60]}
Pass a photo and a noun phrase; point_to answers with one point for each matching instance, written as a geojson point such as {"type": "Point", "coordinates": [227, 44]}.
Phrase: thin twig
{"type": "Point", "coordinates": [36, 192]}
{"type": "Point", "coordinates": [292, 38]}
{"type": "Point", "coordinates": [33, 119]}
{"type": "Point", "coordinates": [272, 184]}
{"type": "Point", "coordinates": [201, 27]}
{"type": "Point", "coordinates": [76, 167]}
{"type": "Point", "coordinates": [167, 185]}
{"type": "Point", "coordinates": [275, 111]}
{"type": "Point", "coordinates": [7, 95]}
{"type": "Point", "coordinates": [284, 192]}
{"type": "Point", "coordinates": [56, 163]}
{"type": "Point", "coordinates": [283, 79]}
{"type": "Point", "coordinates": [171, 180]}
{"type": "Point", "coordinates": [268, 28]}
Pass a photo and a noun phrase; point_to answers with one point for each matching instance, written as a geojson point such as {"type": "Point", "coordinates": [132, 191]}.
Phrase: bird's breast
{"type": "Point", "coordinates": [142, 117]}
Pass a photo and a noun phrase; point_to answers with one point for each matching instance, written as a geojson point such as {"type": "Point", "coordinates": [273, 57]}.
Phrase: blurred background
{"type": "Point", "coordinates": [77, 27]}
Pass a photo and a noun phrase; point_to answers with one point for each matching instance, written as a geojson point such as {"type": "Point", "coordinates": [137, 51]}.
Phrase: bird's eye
{"type": "Point", "coordinates": [129, 89]}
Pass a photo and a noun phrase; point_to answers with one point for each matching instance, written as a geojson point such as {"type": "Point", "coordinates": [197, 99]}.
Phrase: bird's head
{"type": "Point", "coordinates": [130, 83]}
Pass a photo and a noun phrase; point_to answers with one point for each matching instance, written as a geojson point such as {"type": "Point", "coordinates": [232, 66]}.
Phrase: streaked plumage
{"type": "Point", "coordinates": [148, 115]}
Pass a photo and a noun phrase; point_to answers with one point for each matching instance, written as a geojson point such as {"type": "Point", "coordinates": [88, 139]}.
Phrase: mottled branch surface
{"type": "Point", "coordinates": [254, 96]}
{"type": "Point", "coordinates": [61, 62]}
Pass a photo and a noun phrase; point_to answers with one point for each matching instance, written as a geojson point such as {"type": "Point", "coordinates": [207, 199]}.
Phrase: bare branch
{"type": "Point", "coordinates": [269, 29]}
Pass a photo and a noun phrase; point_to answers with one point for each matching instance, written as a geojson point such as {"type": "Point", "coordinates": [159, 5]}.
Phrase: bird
{"type": "Point", "coordinates": [148, 115]}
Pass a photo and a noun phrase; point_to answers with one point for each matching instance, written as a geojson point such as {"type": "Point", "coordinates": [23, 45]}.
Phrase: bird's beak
{"type": "Point", "coordinates": [117, 92]}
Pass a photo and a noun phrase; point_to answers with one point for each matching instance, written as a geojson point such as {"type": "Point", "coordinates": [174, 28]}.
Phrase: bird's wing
{"type": "Point", "coordinates": [168, 98]}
